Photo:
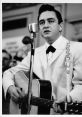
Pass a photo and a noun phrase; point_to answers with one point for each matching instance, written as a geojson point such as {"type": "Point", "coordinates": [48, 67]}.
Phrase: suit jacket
{"type": "Point", "coordinates": [55, 71]}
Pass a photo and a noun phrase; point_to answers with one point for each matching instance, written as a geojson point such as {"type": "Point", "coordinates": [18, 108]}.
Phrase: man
{"type": "Point", "coordinates": [50, 62]}
{"type": "Point", "coordinates": [6, 59]}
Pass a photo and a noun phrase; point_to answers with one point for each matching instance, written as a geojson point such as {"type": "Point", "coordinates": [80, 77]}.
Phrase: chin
{"type": "Point", "coordinates": [47, 36]}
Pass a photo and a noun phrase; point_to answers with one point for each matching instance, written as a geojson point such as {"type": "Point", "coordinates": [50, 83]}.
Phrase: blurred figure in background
{"type": "Point", "coordinates": [19, 56]}
{"type": "Point", "coordinates": [6, 59]}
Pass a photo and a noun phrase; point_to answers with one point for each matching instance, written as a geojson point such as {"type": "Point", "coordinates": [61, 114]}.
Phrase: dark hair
{"type": "Point", "coordinates": [5, 51]}
{"type": "Point", "coordinates": [48, 7]}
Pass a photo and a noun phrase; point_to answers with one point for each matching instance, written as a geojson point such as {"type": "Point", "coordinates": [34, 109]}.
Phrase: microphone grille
{"type": "Point", "coordinates": [33, 27]}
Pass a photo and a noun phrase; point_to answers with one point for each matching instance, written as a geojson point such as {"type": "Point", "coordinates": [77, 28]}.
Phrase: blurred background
{"type": "Point", "coordinates": [15, 20]}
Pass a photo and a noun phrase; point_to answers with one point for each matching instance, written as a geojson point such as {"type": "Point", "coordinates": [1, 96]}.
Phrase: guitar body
{"type": "Point", "coordinates": [40, 89]}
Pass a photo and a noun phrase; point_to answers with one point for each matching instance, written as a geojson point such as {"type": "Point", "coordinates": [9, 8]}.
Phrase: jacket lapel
{"type": "Point", "coordinates": [55, 55]}
{"type": "Point", "coordinates": [61, 46]}
{"type": "Point", "coordinates": [43, 58]}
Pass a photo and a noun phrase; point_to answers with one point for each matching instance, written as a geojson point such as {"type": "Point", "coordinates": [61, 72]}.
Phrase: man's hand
{"type": "Point", "coordinates": [59, 105]}
{"type": "Point", "coordinates": [15, 93]}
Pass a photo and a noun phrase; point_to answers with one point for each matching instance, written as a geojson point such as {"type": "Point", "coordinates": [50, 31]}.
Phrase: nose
{"type": "Point", "coordinates": [46, 24]}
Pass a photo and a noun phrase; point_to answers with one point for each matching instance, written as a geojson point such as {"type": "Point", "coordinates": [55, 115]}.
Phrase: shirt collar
{"type": "Point", "coordinates": [58, 44]}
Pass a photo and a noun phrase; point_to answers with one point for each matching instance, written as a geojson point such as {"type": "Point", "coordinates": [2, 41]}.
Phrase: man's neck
{"type": "Point", "coordinates": [51, 41]}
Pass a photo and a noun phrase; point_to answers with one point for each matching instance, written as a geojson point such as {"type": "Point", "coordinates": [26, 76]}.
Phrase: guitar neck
{"type": "Point", "coordinates": [41, 102]}
{"type": "Point", "coordinates": [72, 107]}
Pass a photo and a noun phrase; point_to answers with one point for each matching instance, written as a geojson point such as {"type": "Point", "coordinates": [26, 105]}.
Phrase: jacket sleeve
{"type": "Point", "coordinates": [76, 92]}
{"type": "Point", "coordinates": [8, 76]}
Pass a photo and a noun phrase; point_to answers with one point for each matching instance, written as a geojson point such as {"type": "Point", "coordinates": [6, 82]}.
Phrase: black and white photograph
{"type": "Point", "coordinates": [41, 58]}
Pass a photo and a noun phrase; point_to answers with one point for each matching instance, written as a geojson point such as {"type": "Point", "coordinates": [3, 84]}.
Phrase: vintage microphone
{"type": "Point", "coordinates": [32, 29]}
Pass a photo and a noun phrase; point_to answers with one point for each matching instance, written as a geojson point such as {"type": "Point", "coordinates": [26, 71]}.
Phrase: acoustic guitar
{"type": "Point", "coordinates": [41, 99]}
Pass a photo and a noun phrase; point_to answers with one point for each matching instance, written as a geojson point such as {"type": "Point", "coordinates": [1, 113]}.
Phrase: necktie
{"type": "Point", "coordinates": [50, 49]}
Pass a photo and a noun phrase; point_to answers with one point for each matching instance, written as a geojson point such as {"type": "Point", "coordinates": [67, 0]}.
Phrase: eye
{"type": "Point", "coordinates": [51, 20]}
{"type": "Point", "coordinates": [41, 22]}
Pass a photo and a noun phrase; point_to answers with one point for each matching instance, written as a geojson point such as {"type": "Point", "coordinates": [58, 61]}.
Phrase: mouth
{"type": "Point", "coordinates": [47, 31]}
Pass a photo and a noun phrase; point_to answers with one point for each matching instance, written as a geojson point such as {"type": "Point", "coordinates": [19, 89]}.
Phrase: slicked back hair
{"type": "Point", "coordinates": [48, 7]}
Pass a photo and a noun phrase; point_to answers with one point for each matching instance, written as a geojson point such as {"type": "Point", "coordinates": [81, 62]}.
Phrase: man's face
{"type": "Point", "coordinates": [49, 27]}
{"type": "Point", "coordinates": [5, 59]}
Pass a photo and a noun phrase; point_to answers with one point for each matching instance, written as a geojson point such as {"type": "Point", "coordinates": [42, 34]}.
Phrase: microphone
{"type": "Point", "coordinates": [27, 40]}
{"type": "Point", "coordinates": [33, 27]}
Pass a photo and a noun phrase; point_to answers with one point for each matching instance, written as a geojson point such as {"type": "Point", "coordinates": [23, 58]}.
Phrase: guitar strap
{"type": "Point", "coordinates": [69, 70]}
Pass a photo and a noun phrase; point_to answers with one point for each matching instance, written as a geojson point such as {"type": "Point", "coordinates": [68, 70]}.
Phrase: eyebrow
{"type": "Point", "coordinates": [46, 19]}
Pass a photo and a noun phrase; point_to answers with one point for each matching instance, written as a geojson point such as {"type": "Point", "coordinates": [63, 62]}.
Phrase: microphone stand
{"type": "Point", "coordinates": [33, 35]}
